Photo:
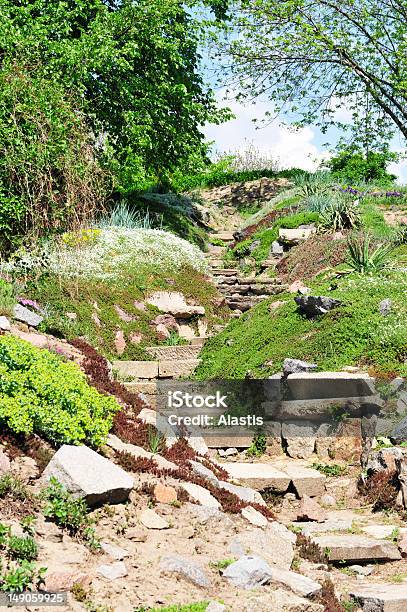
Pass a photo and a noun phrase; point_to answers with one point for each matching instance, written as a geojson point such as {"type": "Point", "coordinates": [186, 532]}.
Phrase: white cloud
{"type": "Point", "coordinates": [293, 148]}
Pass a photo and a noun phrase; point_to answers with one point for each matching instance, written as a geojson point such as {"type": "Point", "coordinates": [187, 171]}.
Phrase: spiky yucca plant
{"type": "Point", "coordinates": [339, 215]}
{"type": "Point", "coordinates": [363, 259]}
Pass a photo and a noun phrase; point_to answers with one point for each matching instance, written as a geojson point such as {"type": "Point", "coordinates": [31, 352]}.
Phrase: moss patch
{"type": "Point", "coordinates": [353, 334]}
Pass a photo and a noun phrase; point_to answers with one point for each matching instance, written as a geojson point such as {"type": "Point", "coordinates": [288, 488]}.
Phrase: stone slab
{"type": "Point", "coordinates": [136, 369]}
{"type": "Point", "coordinates": [258, 476]}
{"type": "Point", "coordinates": [173, 352]}
{"type": "Point", "coordinates": [305, 480]}
{"type": "Point", "coordinates": [354, 548]}
{"type": "Point", "coordinates": [177, 369]}
{"type": "Point", "coordinates": [381, 597]}
{"type": "Point", "coordinates": [325, 385]}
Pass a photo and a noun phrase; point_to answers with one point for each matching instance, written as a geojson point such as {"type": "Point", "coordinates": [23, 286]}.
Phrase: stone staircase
{"type": "Point", "coordinates": [241, 292]}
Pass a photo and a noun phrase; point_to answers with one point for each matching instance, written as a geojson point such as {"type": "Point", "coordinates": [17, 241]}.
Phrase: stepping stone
{"type": "Point", "coordinates": [225, 236]}
{"type": "Point", "coordinates": [306, 481]}
{"type": "Point", "coordinates": [258, 476]}
{"type": "Point", "coordinates": [113, 571]}
{"type": "Point", "coordinates": [329, 525]}
{"type": "Point", "coordinates": [381, 597]}
{"type": "Point", "coordinates": [381, 532]}
{"type": "Point", "coordinates": [356, 548]}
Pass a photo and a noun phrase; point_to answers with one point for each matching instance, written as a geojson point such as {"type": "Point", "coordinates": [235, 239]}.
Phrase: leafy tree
{"type": "Point", "coordinates": [356, 166]}
{"type": "Point", "coordinates": [314, 57]}
{"type": "Point", "coordinates": [92, 84]}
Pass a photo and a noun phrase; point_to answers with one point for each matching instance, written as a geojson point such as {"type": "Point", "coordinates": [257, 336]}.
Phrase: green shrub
{"type": "Point", "coordinates": [49, 178]}
{"type": "Point", "coordinates": [17, 572]}
{"type": "Point", "coordinates": [354, 166]}
{"type": "Point", "coordinates": [39, 393]}
{"type": "Point", "coordinates": [69, 512]}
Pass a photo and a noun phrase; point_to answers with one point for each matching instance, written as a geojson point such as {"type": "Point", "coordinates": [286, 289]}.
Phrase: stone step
{"type": "Point", "coordinates": [148, 370]}
{"type": "Point", "coordinates": [325, 385]}
{"type": "Point", "coordinates": [278, 476]}
{"type": "Point", "coordinates": [216, 263]}
{"type": "Point", "coordinates": [258, 476]}
{"type": "Point", "coordinates": [146, 387]}
{"type": "Point", "coordinates": [226, 236]}
{"type": "Point", "coordinates": [171, 353]}
{"type": "Point", "coordinates": [177, 369]}
{"type": "Point", "coordinates": [355, 548]}
{"type": "Point", "coordinates": [269, 263]}
{"type": "Point", "coordinates": [260, 281]}
{"type": "Point", "coordinates": [136, 369]}
{"type": "Point", "coordinates": [225, 271]}
{"type": "Point", "coordinates": [216, 250]}
{"type": "Point", "coordinates": [381, 597]}
{"type": "Point", "coordinates": [198, 341]}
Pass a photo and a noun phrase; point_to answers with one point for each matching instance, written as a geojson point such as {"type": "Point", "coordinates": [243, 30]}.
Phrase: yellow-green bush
{"type": "Point", "coordinates": [40, 393]}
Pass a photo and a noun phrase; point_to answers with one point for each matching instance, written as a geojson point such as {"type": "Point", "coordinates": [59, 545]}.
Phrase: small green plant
{"type": "Point", "coordinates": [329, 469]}
{"type": "Point", "coordinates": [21, 578]}
{"type": "Point", "coordinates": [156, 440]}
{"type": "Point", "coordinates": [69, 513]}
{"type": "Point", "coordinates": [400, 235]}
{"type": "Point", "coordinates": [362, 259]}
{"type": "Point", "coordinates": [174, 339]}
{"type": "Point", "coordinates": [222, 564]}
{"type": "Point", "coordinates": [394, 536]}
{"type": "Point", "coordinates": [258, 447]}
{"type": "Point", "coordinates": [22, 548]}
{"type": "Point", "coordinates": [7, 298]}
{"type": "Point", "coordinates": [13, 487]}
{"type": "Point", "coordinates": [17, 570]}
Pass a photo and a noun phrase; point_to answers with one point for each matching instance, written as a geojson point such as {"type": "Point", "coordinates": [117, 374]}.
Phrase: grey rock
{"type": "Point", "coordinates": [274, 543]}
{"type": "Point", "coordinates": [185, 568]}
{"type": "Point", "coordinates": [277, 248]}
{"type": "Point", "coordinates": [402, 403]}
{"type": "Point", "coordinates": [204, 514]}
{"type": "Point", "coordinates": [356, 548]}
{"type": "Point", "coordinates": [385, 307]}
{"type": "Point", "coordinates": [248, 573]}
{"type": "Point", "coordinates": [399, 433]}
{"type": "Point", "coordinates": [229, 452]}
{"type": "Point", "coordinates": [150, 519]}
{"type": "Point", "coordinates": [23, 314]}
{"type": "Point", "coordinates": [86, 474]}
{"type": "Point", "coordinates": [328, 500]}
{"type": "Point", "coordinates": [362, 570]}
{"type": "Point", "coordinates": [295, 366]}
{"type": "Point", "coordinates": [215, 606]}
{"type": "Point", "coordinates": [113, 571]}
{"type": "Point", "coordinates": [5, 324]}
{"type": "Point", "coordinates": [383, 460]}
{"type": "Point", "coordinates": [4, 463]}
{"type": "Point", "coordinates": [114, 551]}
{"type": "Point", "coordinates": [204, 472]}
{"type": "Point", "coordinates": [314, 305]}
{"type": "Point", "coordinates": [381, 597]}
{"type": "Point", "coordinates": [302, 585]}
{"type": "Point", "coordinates": [244, 493]}
{"type": "Point", "coordinates": [300, 437]}
{"type": "Point", "coordinates": [254, 517]}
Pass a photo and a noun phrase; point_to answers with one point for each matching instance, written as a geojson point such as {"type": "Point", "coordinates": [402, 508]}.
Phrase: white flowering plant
{"type": "Point", "coordinates": [115, 250]}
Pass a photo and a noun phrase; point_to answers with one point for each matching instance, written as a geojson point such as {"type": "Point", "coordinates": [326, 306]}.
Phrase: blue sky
{"type": "Point", "coordinates": [303, 148]}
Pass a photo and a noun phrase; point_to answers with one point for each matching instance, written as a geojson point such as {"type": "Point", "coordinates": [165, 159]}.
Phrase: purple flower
{"type": "Point", "coordinates": [30, 303]}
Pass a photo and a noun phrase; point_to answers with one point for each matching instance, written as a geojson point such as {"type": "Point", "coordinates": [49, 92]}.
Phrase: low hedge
{"type": "Point", "coordinates": [40, 393]}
